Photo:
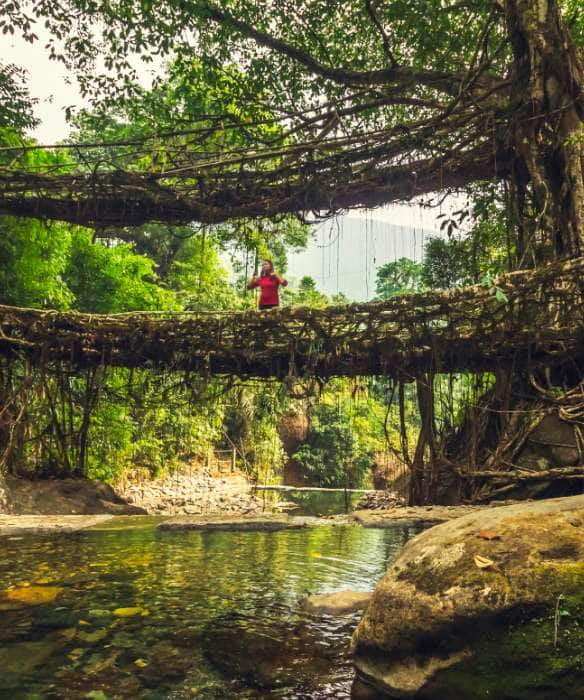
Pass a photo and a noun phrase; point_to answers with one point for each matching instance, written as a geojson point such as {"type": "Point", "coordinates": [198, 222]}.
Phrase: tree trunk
{"type": "Point", "coordinates": [547, 205]}
{"type": "Point", "coordinates": [547, 139]}
{"type": "Point", "coordinates": [424, 460]}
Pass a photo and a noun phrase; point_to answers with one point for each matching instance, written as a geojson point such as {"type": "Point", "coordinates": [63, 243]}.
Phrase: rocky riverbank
{"type": "Point", "coordinates": [193, 493]}
{"type": "Point", "coordinates": [376, 500]}
{"type": "Point", "coordinates": [430, 515]}
{"type": "Point", "coordinates": [186, 492]}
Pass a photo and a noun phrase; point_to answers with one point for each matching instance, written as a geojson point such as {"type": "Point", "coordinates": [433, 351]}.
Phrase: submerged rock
{"type": "Point", "coordinates": [339, 603]}
{"type": "Point", "coordinates": [131, 612]}
{"type": "Point", "coordinates": [22, 658]}
{"type": "Point", "coordinates": [471, 608]}
{"type": "Point", "coordinates": [94, 636]}
{"type": "Point", "coordinates": [266, 657]}
{"type": "Point", "coordinates": [165, 664]}
{"type": "Point", "coordinates": [32, 595]}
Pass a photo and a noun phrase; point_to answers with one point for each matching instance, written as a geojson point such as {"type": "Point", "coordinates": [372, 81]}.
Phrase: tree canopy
{"type": "Point", "coordinates": [337, 105]}
{"type": "Point", "coordinates": [269, 114]}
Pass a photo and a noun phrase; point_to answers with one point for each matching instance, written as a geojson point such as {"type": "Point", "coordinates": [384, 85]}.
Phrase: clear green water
{"type": "Point", "coordinates": [318, 503]}
{"type": "Point", "coordinates": [223, 620]}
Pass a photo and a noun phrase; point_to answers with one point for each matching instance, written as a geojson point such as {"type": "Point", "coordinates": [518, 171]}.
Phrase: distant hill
{"type": "Point", "coordinates": [346, 252]}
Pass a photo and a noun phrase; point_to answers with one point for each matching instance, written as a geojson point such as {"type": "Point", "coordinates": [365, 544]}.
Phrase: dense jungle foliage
{"type": "Point", "coordinates": [331, 102]}
{"type": "Point", "coordinates": [100, 423]}
{"type": "Point", "coordinates": [103, 422]}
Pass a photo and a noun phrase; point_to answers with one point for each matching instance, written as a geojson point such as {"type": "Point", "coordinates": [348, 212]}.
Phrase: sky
{"type": "Point", "coordinates": [52, 85]}
{"type": "Point", "coordinates": [346, 250]}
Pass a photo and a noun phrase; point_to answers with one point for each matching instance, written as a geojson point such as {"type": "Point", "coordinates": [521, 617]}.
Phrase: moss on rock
{"type": "Point", "coordinates": [454, 598]}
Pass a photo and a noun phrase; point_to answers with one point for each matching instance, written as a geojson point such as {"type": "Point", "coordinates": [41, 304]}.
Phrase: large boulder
{"type": "Point", "coordinates": [487, 605]}
{"type": "Point", "coordinates": [554, 443]}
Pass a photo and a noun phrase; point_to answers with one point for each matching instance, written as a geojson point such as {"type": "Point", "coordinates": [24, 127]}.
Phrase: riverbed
{"type": "Point", "coordinates": [145, 613]}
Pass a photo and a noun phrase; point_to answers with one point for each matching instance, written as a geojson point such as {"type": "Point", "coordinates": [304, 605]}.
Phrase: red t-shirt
{"type": "Point", "coordinates": [268, 289]}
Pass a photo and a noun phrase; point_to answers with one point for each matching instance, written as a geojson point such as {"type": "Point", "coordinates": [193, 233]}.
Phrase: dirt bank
{"type": "Point", "coordinates": [61, 497]}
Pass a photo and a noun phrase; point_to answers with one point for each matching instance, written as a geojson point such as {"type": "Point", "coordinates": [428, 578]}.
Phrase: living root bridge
{"type": "Point", "coordinates": [540, 323]}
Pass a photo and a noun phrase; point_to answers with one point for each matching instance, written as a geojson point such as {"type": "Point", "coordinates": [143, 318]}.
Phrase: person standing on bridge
{"type": "Point", "coordinates": [268, 282]}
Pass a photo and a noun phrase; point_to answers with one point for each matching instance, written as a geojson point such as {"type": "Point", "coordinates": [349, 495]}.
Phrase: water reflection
{"type": "Point", "coordinates": [316, 502]}
{"type": "Point", "coordinates": [142, 613]}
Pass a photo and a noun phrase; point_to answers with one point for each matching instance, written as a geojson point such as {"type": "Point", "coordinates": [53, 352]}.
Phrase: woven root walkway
{"type": "Point", "coordinates": [540, 323]}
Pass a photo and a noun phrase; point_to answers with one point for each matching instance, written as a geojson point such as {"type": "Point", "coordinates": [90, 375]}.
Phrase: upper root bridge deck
{"type": "Point", "coordinates": [540, 323]}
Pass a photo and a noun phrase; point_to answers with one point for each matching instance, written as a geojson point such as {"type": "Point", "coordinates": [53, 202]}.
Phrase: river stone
{"type": "Point", "coordinates": [267, 655]}
{"type": "Point", "coordinates": [339, 603]}
{"type": "Point", "coordinates": [131, 612]}
{"type": "Point", "coordinates": [32, 595]}
{"type": "Point", "coordinates": [236, 522]}
{"type": "Point", "coordinates": [22, 658]}
{"type": "Point", "coordinates": [164, 663]}
{"type": "Point", "coordinates": [444, 623]}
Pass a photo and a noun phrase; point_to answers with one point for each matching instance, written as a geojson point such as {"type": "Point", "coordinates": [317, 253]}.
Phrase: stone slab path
{"type": "Point", "coordinates": [226, 522]}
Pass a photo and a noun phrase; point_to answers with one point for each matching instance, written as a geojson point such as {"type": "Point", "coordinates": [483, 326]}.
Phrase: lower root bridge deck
{"type": "Point", "coordinates": [534, 316]}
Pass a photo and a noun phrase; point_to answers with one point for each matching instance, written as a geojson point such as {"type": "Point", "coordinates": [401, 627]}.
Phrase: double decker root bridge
{"type": "Point", "coordinates": [531, 318]}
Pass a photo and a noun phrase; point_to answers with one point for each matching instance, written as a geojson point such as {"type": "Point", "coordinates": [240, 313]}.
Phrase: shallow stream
{"type": "Point", "coordinates": [139, 613]}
